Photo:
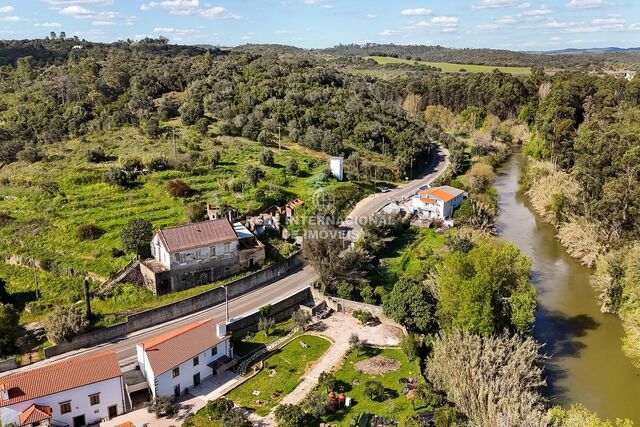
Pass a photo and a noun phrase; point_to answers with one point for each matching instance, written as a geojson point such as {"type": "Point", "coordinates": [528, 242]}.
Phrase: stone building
{"type": "Point", "coordinates": [200, 253]}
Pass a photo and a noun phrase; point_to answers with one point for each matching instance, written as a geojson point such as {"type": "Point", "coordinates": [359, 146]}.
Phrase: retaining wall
{"type": "Point", "coordinates": [347, 306]}
{"type": "Point", "coordinates": [181, 308]}
{"type": "Point", "coordinates": [8, 364]}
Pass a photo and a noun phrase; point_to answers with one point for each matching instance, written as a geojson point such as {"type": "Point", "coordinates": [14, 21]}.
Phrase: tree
{"type": "Point", "coordinates": [292, 167]}
{"type": "Point", "coordinates": [481, 177]}
{"type": "Point", "coordinates": [162, 406]}
{"type": "Point", "coordinates": [136, 236]}
{"type": "Point", "coordinates": [356, 344]}
{"type": "Point", "coordinates": [374, 390]}
{"type": "Point", "coordinates": [96, 155]}
{"type": "Point", "coordinates": [196, 212]}
{"type": "Point", "coordinates": [254, 174]}
{"type": "Point", "coordinates": [579, 416]}
{"type": "Point", "coordinates": [474, 116]}
{"type": "Point", "coordinates": [266, 324]}
{"type": "Point", "coordinates": [190, 112]}
{"type": "Point", "coordinates": [89, 232]}
{"type": "Point", "coordinates": [132, 165]}
{"type": "Point", "coordinates": [158, 164]}
{"type": "Point", "coordinates": [152, 128]}
{"type": "Point", "coordinates": [117, 176]}
{"type": "Point", "coordinates": [266, 157]}
{"type": "Point", "coordinates": [287, 415]}
{"type": "Point", "coordinates": [4, 294]}
{"type": "Point", "coordinates": [9, 328]}
{"type": "Point", "coordinates": [179, 188]}
{"type": "Point", "coordinates": [486, 290]}
{"type": "Point", "coordinates": [236, 417]}
{"type": "Point", "coordinates": [216, 409]}
{"type": "Point", "coordinates": [494, 380]}
{"type": "Point", "coordinates": [363, 316]}
{"type": "Point", "coordinates": [327, 381]}
{"type": "Point", "coordinates": [409, 344]}
{"type": "Point", "coordinates": [411, 304]}
{"type": "Point", "coordinates": [317, 404]}
{"type": "Point", "coordinates": [202, 126]}
{"type": "Point", "coordinates": [64, 323]}
{"type": "Point", "coordinates": [301, 319]}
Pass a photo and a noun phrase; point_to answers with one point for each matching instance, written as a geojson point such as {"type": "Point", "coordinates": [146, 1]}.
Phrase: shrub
{"type": "Point", "coordinates": [374, 390]}
{"type": "Point", "coordinates": [356, 344]}
{"type": "Point", "coordinates": [363, 316]}
{"type": "Point", "coordinates": [581, 237]}
{"type": "Point", "coordinates": [132, 165]}
{"type": "Point", "coordinates": [9, 328]}
{"type": "Point", "coordinates": [158, 164]}
{"type": "Point", "coordinates": [162, 406]}
{"type": "Point", "coordinates": [30, 154]}
{"type": "Point", "coordinates": [327, 381]}
{"type": "Point", "coordinates": [266, 157]}
{"type": "Point", "coordinates": [216, 409]}
{"type": "Point", "coordinates": [89, 232]}
{"type": "Point", "coordinates": [117, 252]}
{"type": "Point", "coordinates": [236, 417]}
{"type": "Point", "coordinates": [64, 323]}
{"type": "Point", "coordinates": [409, 345]}
{"type": "Point", "coordinates": [136, 236]}
{"type": "Point", "coordinates": [481, 177]}
{"type": "Point", "coordinates": [116, 176]}
{"type": "Point", "coordinates": [179, 188]}
{"type": "Point", "coordinates": [196, 212]}
{"type": "Point", "coordinates": [289, 416]}
{"type": "Point", "coordinates": [254, 174]}
{"type": "Point", "coordinates": [202, 126]}
{"type": "Point", "coordinates": [266, 324]}
{"type": "Point", "coordinates": [96, 155]}
{"type": "Point", "coordinates": [292, 167]}
{"type": "Point", "coordinates": [317, 404]}
{"type": "Point", "coordinates": [301, 318]}
{"type": "Point", "coordinates": [190, 112]}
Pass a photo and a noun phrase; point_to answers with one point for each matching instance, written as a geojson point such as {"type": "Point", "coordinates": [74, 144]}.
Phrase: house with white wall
{"type": "Point", "coordinates": [199, 253]}
{"type": "Point", "coordinates": [437, 202]}
{"type": "Point", "coordinates": [181, 359]}
{"type": "Point", "coordinates": [75, 392]}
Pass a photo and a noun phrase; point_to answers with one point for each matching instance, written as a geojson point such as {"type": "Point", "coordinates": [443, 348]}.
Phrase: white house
{"type": "Point", "coordinates": [437, 202]}
{"type": "Point", "coordinates": [76, 392]}
{"type": "Point", "coordinates": [181, 359]}
{"type": "Point", "coordinates": [336, 165]}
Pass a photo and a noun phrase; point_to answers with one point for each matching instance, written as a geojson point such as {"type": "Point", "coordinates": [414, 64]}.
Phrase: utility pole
{"type": "Point", "coordinates": [35, 278]}
{"type": "Point", "coordinates": [279, 141]}
{"type": "Point", "coordinates": [226, 298]}
{"type": "Point", "coordinates": [175, 151]}
{"type": "Point", "coordinates": [411, 175]}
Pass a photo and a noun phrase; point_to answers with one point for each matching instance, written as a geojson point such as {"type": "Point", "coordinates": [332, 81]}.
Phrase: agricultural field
{"type": "Point", "coordinates": [449, 67]}
{"type": "Point", "coordinates": [351, 382]}
{"type": "Point", "coordinates": [281, 374]}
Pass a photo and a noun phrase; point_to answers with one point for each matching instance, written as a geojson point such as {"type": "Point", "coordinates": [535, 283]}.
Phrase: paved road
{"type": "Point", "coordinates": [373, 203]}
{"type": "Point", "coordinates": [125, 346]}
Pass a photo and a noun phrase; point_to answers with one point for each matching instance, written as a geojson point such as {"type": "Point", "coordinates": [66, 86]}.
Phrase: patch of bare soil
{"type": "Point", "coordinates": [377, 365]}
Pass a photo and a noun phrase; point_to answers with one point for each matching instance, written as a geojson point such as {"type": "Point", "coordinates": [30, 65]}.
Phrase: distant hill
{"type": "Point", "coordinates": [592, 50]}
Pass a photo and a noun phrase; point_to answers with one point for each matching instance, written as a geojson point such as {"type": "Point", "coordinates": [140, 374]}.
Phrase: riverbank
{"type": "Point", "coordinates": [587, 364]}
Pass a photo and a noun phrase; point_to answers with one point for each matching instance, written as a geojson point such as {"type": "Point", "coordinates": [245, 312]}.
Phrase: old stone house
{"type": "Point", "coordinates": [200, 253]}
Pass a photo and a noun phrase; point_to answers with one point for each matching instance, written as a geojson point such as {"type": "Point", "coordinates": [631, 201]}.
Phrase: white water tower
{"type": "Point", "coordinates": [337, 167]}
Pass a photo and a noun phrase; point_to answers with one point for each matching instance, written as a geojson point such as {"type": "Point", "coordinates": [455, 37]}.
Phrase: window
{"type": "Point", "coordinates": [65, 407]}
{"type": "Point", "coordinates": [227, 248]}
{"type": "Point", "coordinates": [176, 372]}
{"type": "Point", "coordinates": [196, 361]}
{"type": "Point", "coordinates": [214, 351]}
{"type": "Point", "coordinates": [94, 399]}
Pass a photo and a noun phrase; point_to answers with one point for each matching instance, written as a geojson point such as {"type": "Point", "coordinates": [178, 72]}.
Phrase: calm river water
{"type": "Point", "coordinates": [587, 364]}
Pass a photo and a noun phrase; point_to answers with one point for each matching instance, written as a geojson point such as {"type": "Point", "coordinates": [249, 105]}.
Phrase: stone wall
{"type": "Point", "coordinates": [181, 308]}
{"type": "Point", "coordinates": [8, 364]}
{"type": "Point", "coordinates": [348, 306]}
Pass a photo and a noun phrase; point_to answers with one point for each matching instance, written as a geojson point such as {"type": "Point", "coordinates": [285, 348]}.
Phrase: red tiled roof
{"type": "Point", "coordinates": [170, 350]}
{"type": "Point", "coordinates": [428, 200]}
{"type": "Point", "coordinates": [34, 414]}
{"type": "Point", "coordinates": [438, 193]}
{"type": "Point", "coordinates": [197, 235]}
{"type": "Point", "coordinates": [59, 377]}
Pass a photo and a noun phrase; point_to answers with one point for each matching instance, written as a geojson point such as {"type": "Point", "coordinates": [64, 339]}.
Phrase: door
{"type": "Point", "coordinates": [196, 379]}
{"type": "Point", "coordinates": [176, 390]}
{"type": "Point", "coordinates": [79, 421]}
{"type": "Point", "coordinates": [113, 411]}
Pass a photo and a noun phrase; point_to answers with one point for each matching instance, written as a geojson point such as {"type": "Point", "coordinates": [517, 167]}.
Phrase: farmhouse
{"type": "Point", "coordinates": [199, 253]}
{"type": "Point", "coordinates": [75, 392]}
{"type": "Point", "coordinates": [437, 202]}
{"type": "Point", "coordinates": [181, 359]}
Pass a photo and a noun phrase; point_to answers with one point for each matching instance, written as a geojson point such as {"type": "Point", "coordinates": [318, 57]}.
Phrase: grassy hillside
{"type": "Point", "coordinates": [449, 67]}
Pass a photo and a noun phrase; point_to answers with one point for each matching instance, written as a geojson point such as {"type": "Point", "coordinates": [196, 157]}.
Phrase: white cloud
{"type": "Point", "coordinates": [171, 5]}
{"type": "Point", "coordinates": [555, 39]}
{"type": "Point", "coordinates": [77, 11]}
{"type": "Point", "coordinates": [524, 5]}
{"type": "Point", "coordinates": [558, 24]}
{"type": "Point", "coordinates": [388, 33]}
{"type": "Point", "coordinates": [507, 20]}
{"type": "Point", "coordinates": [49, 25]}
{"type": "Point", "coordinates": [492, 4]}
{"type": "Point", "coordinates": [421, 11]}
{"type": "Point", "coordinates": [7, 9]}
{"type": "Point", "coordinates": [189, 8]}
{"type": "Point", "coordinates": [488, 27]}
{"type": "Point", "coordinates": [64, 2]}
{"type": "Point", "coordinates": [172, 30]}
{"type": "Point", "coordinates": [540, 11]}
{"type": "Point", "coordinates": [607, 21]}
{"type": "Point", "coordinates": [635, 27]}
{"type": "Point", "coordinates": [371, 15]}
{"type": "Point", "coordinates": [587, 4]}
{"type": "Point", "coordinates": [103, 23]}
{"type": "Point", "coordinates": [447, 21]}
{"type": "Point", "coordinates": [321, 3]}
{"type": "Point", "coordinates": [10, 19]}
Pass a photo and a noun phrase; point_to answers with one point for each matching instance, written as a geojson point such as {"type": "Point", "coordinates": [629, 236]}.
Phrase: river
{"type": "Point", "coordinates": [587, 363]}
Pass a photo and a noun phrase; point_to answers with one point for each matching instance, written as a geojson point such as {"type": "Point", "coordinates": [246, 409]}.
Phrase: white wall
{"type": "Point", "coordinates": [166, 381]}
{"type": "Point", "coordinates": [337, 167]}
{"type": "Point", "coordinates": [111, 393]}
{"type": "Point", "coordinates": [192, 256]}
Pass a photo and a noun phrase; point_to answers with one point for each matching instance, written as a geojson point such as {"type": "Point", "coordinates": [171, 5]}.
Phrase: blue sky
{"type": "Point", "coordinates": [504, 24]}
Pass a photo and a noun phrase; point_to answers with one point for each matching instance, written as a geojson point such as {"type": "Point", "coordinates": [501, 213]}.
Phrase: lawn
{"type": "Point", "coordinates": [250, 343]}
{"type": "Point", "coordinates": [449, 67]}
{"type": "Point", "coordinates": [281, 374]}
{"type": "Point", "coordinates": [406, 256]}
{"type": "Point", "coordinates": [395, 406]}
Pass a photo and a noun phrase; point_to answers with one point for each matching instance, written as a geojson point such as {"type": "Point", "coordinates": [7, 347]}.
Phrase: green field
{"type": "Point", "coordinates": [395, 406]}
{"type": "Point", "coordinates": [449, 67]}
{"type": "Point", "coordinates": [289, 363]}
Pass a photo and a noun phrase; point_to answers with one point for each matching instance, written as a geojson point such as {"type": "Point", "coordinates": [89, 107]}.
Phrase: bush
{"type": "Point", "coordinates": [64, 323]}
{"type": "Point", "coordinates": [236, 417]}
{"type": "Point", "coordinates": [179, 188]}
{"type": "Point", "coordinates": [30, 154]}
{"type": "Point", "coordinates": [196, 212]}
{"type": "Point", "coordinates": [116, 176]}
{"type": "Point", "coordinates": [254, 174]}
{"type": "Point", "coordinates": [216, 409]}
{"type": "Point", "coordinates": [162, 406]}
{"type": "Point", "coordinates": [374, 390]}
{"type": "Point", "coordinates": [158, 164]}
{"type": "Point", "coordinates": [481, 177]}
{"type": "Point", "coordinates": [9, 328]}
{"type": "Point", "coordinates": [132, 165]}
{"type": "Point", "coordinates": [136, 236]}
{"type": "Point", "coordinates": [327, 381]}
{"type": "Point", "coordinates": [292, 167]}
{"type": "Point", "coordinates": [289, 416]}
{"type": "Point", "coordinates": [89, 232]}
{"type": "Point", "coordinates": [190, 112]}
{"type": "Point", "coordinates": [301, 318]}
{"type": "Point", "coordinates": [96, 155]}
{"type": "Point", "coordinates": [266, 157]}
{"type": "Point", "coordinates": [410, 345]}
{"type": "Point", "coordinates": [202, 126]}
{"type": "Point", "coordinates": [363, 316]}
{"type": "Point", "coordinates": [117, 252]}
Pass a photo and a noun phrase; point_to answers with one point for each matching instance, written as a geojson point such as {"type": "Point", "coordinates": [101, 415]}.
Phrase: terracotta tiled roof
{"type": "Point", "coordinates": [428, 200]}
{"type": "Point", "coordinates": [439, 193]}
{"type": "Point", "coordinates": [34, 414]}
{"type": "Point", "coordinates": [170, 350]}
{"type": "Point", "coordinates": [197, 235]}
{"type": "Point", "coordinates": [59, 377]}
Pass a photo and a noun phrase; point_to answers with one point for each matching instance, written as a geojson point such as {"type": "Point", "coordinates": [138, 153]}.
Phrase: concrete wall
{"type": "Point", "coordinates": [181, 308]}
{"type": "Point", "coordinates": [347, 306]}
{"type": "Point", "coordinates": [8, 364]}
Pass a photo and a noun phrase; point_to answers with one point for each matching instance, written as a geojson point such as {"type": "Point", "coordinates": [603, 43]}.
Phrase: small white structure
{"type": "Point", "coordinates": [337, 167]}
{"type": "Point", "coordinates": [437, 202]}
{"type": "Point", "coordinates": [183, 358]}
{"type": "Point", "coordinates": [76, 392]}
{"type": "Point", "coordinates": [77, 47]}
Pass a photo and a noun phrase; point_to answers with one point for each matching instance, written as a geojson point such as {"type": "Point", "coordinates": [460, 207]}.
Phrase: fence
{"type": "Point", "coordinates": [185, 307]}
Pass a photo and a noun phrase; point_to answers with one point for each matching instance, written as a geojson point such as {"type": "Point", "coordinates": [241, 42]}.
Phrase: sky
{"type": "Point", "coordinates": [501, 24]}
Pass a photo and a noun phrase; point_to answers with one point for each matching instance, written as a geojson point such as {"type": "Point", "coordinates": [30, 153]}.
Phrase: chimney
{"type": "Point", "coordinates": [87, 299]}
{"type": "Point", "coordinates": [4, 393]}
{"type": "Point", "coordinates": [221, 329]}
